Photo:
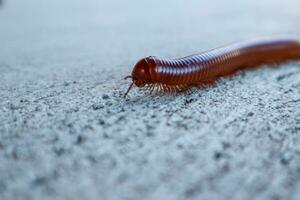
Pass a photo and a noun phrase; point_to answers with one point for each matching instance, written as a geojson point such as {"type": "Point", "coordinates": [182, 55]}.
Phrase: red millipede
{"type": "Point", "coordinates": [199, 70]}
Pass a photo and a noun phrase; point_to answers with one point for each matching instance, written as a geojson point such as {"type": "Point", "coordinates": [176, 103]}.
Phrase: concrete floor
{"type": "Point", "coordinates": [67, 133]}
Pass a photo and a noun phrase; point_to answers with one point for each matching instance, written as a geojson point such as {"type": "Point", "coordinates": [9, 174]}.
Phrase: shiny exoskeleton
{"type": "Point", "coordinates": [177, 75]}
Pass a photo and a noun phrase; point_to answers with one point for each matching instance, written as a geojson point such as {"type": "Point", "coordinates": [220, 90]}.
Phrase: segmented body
{"type": "Point", "coordinates": [176, 75]}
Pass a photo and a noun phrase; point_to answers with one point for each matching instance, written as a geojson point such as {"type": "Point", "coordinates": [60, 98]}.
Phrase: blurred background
{"type": "Point", "coordinates": [111, 33]}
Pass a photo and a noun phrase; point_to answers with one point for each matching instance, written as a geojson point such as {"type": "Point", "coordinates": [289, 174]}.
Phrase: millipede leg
{"type": "Point", "coordinates": [173, 89]}
{"type": "Point", "coordinates": [160, 88]}
{"type": "Point", "coordinates": [152, 88]}
{"type": "Point", "coordinates": [157, 89]}
{"type": "Point", "coordinates": [166, 88]}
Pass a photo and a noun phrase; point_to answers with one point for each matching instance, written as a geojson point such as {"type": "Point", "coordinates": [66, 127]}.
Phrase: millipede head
{"type": "Point", "coordinates": [140, 75]}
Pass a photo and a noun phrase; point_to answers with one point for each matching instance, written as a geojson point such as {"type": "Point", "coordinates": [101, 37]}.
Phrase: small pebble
{"type": "Point", "coordinates": [250, 114]}
{"type": "Point", "coordinates": [108, 103]}
{"type": "Point", "coordinates": [101, 121]}
{"type": "Point", "coordinates": [218, 155]}
{"type": "Point", "coordinates": [105, 96]}
{"type": "Point", "coordinates": [97, 106]}
{"type": "Point", "coordinates": [66, 84]}
{"type": "Point", "coordinates": [81, 139]}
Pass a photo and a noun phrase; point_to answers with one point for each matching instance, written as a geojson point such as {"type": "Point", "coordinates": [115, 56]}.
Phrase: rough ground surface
{"type": "Point", "coordinates": [67, 133]}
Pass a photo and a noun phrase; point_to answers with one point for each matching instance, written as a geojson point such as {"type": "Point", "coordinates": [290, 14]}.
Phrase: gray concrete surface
{"type": "Point", "coordinates": [67, 133]}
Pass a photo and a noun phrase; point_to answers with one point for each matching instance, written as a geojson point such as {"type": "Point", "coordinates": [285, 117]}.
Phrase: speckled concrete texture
{"type": "Point", "coordinates": [67, 133]}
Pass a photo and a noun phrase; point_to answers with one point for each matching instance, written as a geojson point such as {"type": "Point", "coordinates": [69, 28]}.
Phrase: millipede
{"type": "Point", "coordinates": [200, 70]}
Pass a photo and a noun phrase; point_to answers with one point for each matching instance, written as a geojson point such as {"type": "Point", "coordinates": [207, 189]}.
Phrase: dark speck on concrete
{"type": "Point", "coordinates": [218, 155]}
{"type": "Point", "coordinates": [108, 103]}
{"type": "Point", "coordinates": [226, 145]}
{"type": "Point", "coordinates": [101, 121]}
{"type": "Point", "coordinates": [59, 150]}
{"type": "Point", "coordinates": [105, 96]}
{"type": "Point", "coordinates": [187, 101]}
{"type": "Point", "coordinates": [250, 114]}
{"type": "Point", "coordinates": [66, 84]}
{"type": "Point", "coordinates": [81, 139]}
{"type": "Point", "coordinates": [97, 106]}
{"type": "Point", "coordinates": [39, 181]}
{"type": "Point", "coordinates": [285, 158]}
{"type": "Point", "coordinates": [193, 190]}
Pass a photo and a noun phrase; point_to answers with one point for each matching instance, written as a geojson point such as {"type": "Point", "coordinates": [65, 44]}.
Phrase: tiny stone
{"type": "Point", "coordinates": [187, 101]}
{"type": "Point", "coordinates": [81, 139]}
{"type": "Point", "coordinates": [97, 106]}
{"type": "Point", "coordinates": [286, 158]}
{"type": "Point", "coordinates": [66, 83]}
{"type": "Point", "coordinates": [149, 134]}
{"type": "Point", "coordinates": [226, 145]}
{"type": "Point", "coordinates": [40, 180]}
{"type": "Point", "coordinates": [59, 151]}
{"type": "Point", "coordinates": [218, 155]}
{"type": "Point", "coordinates": [105, 96]}
{"type": "Point", "coordinates": [250, 114]}
{"type": "Point", "coordinates": [108, 103]}
{"type": "Point", "coordinates": [105, 135]}
{"type": "Point", "coordinates": [101, 121]}
{"type": "Point", "coordinates": [50, 114]}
